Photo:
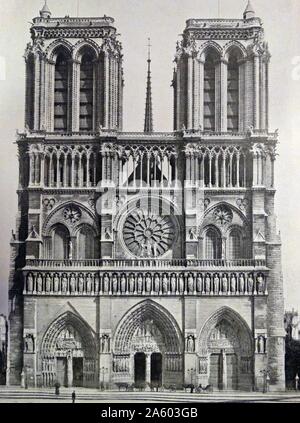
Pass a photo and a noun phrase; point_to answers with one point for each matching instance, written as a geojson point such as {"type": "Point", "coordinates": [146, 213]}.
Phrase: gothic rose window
{"type": "Point", "coordinates": [148, 235]}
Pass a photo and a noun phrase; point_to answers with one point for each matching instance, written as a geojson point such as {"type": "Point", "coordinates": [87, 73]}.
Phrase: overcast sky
{"type": "Point", "coordinates": [163, 21]}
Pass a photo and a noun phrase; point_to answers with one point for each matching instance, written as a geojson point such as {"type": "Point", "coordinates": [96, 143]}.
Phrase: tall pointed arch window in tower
{"type": "Point", "coordinates": [209, 93]}
{"type": "Point", "coordinates": [233, 94]}
{"type": "Point", "coordinates": [86, 92]}
{"type": "Point", "coordinates": [235, 245]}
{"type": "Point", "coordinates": [61, 93]}
{"type": "Point", "coordinates": [213, 244]}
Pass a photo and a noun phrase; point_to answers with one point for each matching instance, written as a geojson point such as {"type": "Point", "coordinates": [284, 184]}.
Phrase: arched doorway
{"type": "Point", "coordinates": [226, 352]}
{"type": "Point", "coordinates": [147, 347]}
{"type": "Point", "coordinates": [68, 353]}
{"type": "Point", "coordinates": [139, 368]}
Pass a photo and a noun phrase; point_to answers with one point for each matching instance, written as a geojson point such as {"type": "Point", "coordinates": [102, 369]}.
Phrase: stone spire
{"type": "Point", "coordinates": [45, 12]}
{"type": "Point", "coordinates": [249, 11]}
{"type": "Point", "coordinates": [148, 125]}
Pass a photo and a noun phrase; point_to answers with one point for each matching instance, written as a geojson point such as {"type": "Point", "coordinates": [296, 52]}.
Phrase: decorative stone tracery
{"type": "Point", "coordinates": [148, 235]}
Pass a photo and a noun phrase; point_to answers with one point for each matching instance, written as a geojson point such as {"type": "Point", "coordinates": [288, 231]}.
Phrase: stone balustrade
{"type": "Point", "coordinates": [144, 263]}
{"type": "Point", "coordinates": [145, 284]}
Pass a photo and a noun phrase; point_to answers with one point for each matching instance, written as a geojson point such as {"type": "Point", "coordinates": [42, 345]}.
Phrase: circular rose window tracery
{"type": "Point", "coordinates": [148, 235]}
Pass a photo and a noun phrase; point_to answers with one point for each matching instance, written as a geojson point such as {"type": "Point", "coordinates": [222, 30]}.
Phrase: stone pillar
{"type": "Point", "coordinates": [256, 91]}
{"type": "Point", "coordinates": [190, 90]}
{"type": "Point", "coordinates": [106, 89]}
{"type": "Point", "coordinates": [242, 95]}
{"type": "Point", "coordinates": [50, 77]}
{"type": "Point", "coordinates": [43, 95]}
{"type": "Point", "coordinates": [37, 92]}
{"type": "Point", "coordinates": [200, 94]}
{"type": "Point", "coordinates": [75, 95]}
{"type": "Point", "coordinates": [223, 106]}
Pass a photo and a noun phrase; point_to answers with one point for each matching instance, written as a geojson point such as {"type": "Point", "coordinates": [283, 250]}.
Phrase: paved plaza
{"type": "Point", "coordinates": [17, 395]}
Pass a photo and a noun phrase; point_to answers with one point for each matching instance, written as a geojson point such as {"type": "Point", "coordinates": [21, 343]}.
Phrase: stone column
{"type": "Point", "coordinates": [43, 95]}
{"type": "Point", "coordinates": [37, 91]}
{"type": "Point", "coordinates": [42, 163]}
{"type": "Point", "coordinates": [256, 91]}
{"type": "Point", "coordinates": [190, 92]}
{"type": "Point", "coordinates": [224, 83]}
{"type": "Point", "coordinates": [178, 96]}
{"type": "Point", "coordinates": [31, 169]}
{"type": "Point", "coordinates": [106, 89]}
{"type": "Point", "coordinates": [75, 95]}
{"type": "Point", "coordinates": [242, 95]}
{"type": "Point", "coordinates": [200, 94]}
{"type": "Point", "coordinates": [50, 78]}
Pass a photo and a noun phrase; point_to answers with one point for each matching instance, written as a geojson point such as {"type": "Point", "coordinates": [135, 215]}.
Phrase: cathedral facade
{"type": "Point", "coordinates": [147, 258]}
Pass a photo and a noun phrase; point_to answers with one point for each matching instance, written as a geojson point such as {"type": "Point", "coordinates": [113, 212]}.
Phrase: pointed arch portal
{"type": "Point", "coordinates": [226, 352]}
{"type": "Point", "coordinates": [148, 346]}
{"type": "Point", "coordinates": [68, 352]}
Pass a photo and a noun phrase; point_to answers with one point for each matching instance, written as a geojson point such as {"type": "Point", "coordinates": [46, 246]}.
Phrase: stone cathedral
{"type": "Point", "coordinates": [146, 257]}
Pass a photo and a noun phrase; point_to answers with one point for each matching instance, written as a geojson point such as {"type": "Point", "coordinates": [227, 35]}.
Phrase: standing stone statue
{"type": "Point", "coordinates": [64, 283]}
{"type": "Point", "coordinates": [181, 283]}
{"type": "Point", "coordinates": [115, 284]}
{"type": "Point", "coordinates": [225, 283]}
{"type": "Point", "coordinates": [97, 283]}
{"type": "Point", "coordinates": [250, 284]}
{"type": "Point", "coordinates": [29, 283]}
{"type": "Point", "coordinates": [260, 284]}
{"type": "Point", "coordinates": [207, 284]}
{"type": "Point", "coordinates": [72, 284]}
{"type": "Point", "coordinates": [242, 283]}
{"type": "Point", "coordinates": [173, 283]}
{"type": "Point", "coordinates": [80, 284]}
{"type": "Point", "coordinates": [156, 283]}
{"type": "Point", "coordinates": [39, 283]}
{"type": "Point", "coordinates": [140, 284]}
{"type": "Point", "coordinates": [88, 283]}
{"type": "Point", "coordinates": [48, 283]}
{"type": "Point", "coordinates": [56, 283]}
{"type": "Point", "coordinates": [190, 343]}
{"type": "Point", "coordinates": [123, 284]}
{"type": "Point", "coordinates": [148, 283]}
{"type": "Point", "coordinates": [131, 283]}
{"type": "Point", "coordinates": [106, 283]}
{"type": "Point", "coordinates": [199, 284]}
{"type": "Point", "coordinates": [233, 284]}
{"type": "Point", "coordinates": [190, 284]}
{"type": "Point", "coordinates": [216, 284]}
{"type": "Point", "coordinates": [165, 284]}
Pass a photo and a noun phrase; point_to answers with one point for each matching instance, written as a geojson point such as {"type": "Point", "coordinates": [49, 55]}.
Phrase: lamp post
{"type": "Point", "coordinates": [103, 372]}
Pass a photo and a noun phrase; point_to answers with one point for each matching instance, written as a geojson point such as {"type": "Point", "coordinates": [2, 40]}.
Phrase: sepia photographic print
{"type": "Point", "coordinates": [149, 201]}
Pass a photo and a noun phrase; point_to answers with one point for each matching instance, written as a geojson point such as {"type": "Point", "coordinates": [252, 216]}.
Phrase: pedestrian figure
{"type": "Point", "coordinates": [73, 397]}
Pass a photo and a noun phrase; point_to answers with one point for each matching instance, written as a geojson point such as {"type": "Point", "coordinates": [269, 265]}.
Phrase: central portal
{"type": "Point", "coordinates": [139, 368]}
